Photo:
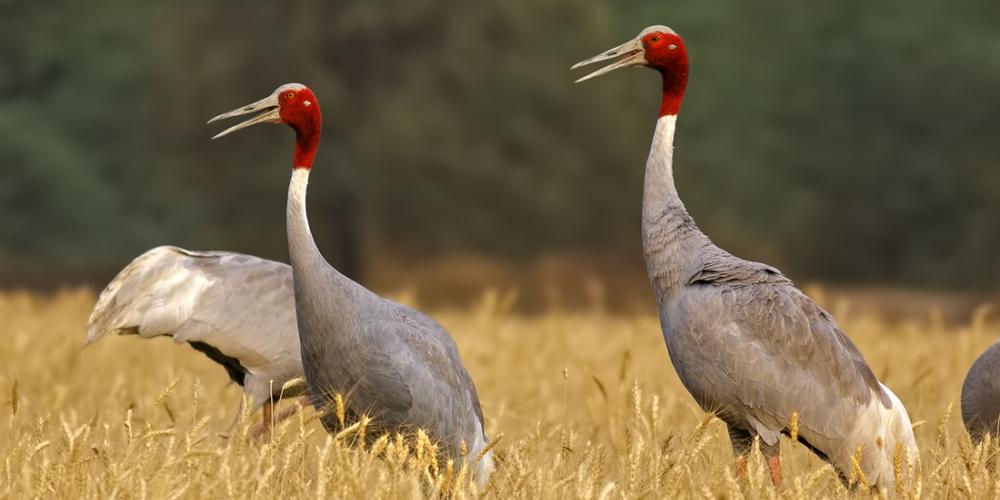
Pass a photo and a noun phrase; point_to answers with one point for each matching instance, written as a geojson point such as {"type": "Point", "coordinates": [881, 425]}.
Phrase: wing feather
{"type": "Point", "coordinates": [776, 353]}
{"type": "Point", "coordinates": [407, 372]}
{"type": "Point", "coordinates": [241, 305]}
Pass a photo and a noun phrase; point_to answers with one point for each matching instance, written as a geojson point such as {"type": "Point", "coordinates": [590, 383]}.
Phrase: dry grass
{"type": "Point", "coordinates": [587, 403]}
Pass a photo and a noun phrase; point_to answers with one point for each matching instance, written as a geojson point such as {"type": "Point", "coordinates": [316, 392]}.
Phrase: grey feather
{"type": "Point", "coordinates": [751, 347]}
{"type": "Point", "coordinates": [389, 361]}
{"type": "Point", "coordinates": [237, 309]}
{"type": "Point", "coordinates": [981, 395]}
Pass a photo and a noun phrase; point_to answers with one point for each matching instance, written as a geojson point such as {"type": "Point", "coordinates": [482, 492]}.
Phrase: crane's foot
{"type": "Point", "coordinates": [774, 465]}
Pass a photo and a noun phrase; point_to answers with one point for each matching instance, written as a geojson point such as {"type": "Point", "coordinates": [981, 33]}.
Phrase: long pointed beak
{"type": "Point", "coordinates": [270, 112]}
{"type": "Point", "coordinates": [631, 53]}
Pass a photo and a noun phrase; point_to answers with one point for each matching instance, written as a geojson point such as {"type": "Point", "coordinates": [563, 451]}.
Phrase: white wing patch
{"type": "Point", "coordinates": [241, 305]}
{"type": "Point", "coordinates": [172, 300]}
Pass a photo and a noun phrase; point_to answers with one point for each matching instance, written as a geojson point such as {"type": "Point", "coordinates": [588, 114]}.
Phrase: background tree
{"type": "Point", "coordinates": [846, 141]}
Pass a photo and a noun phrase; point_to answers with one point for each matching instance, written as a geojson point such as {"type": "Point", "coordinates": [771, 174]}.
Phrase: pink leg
{"type": "Point", "coordinates": [267, 422]}
{"type": "Point", "coordinates": [288, 412]}
{"type": "Point", "coordinates": [774, 464]}
{"type": "Point", "coordinates": [270, 419]}
{"type": "Point", "coordinates": [741, 466]}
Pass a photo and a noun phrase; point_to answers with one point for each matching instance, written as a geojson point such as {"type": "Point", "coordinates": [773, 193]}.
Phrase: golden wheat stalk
{"type": "Point", "coordinates": [793, 427]}
{"type": "Point", "coordinates": [14, 399]}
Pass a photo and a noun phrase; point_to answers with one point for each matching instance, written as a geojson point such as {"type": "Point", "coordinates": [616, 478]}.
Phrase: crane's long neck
{"type": "Point", "coordinates": [319, 287]}
{"type": "Point", "coordinates": [302, 250]}
{"type": "Point", "coordinates": [302, 247]}
{"type": "Point", "coordinates": [672, 243]}
{"type": "Point", "coordinates": [317, 284]}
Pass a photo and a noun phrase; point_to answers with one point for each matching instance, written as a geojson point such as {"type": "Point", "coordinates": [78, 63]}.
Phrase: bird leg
{"type": "Point", "coordinates": [741, 466]}
{"type": "Point", "coordinates": [774, 465]}
{"type": "Point", "coordinates": [264, 428]}
{"type": "Point", "coordinates": [270, 419]}
{"type": "Point", "coordinates": [741, 441]}
{"type": "Point", "coordinates": [772, 452]}
{"type": "Point", "coordinates": [293, 409]}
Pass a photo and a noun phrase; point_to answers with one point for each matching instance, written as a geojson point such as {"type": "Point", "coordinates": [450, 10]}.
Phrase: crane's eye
{"type": "Point", "coordinates": [290, 95]}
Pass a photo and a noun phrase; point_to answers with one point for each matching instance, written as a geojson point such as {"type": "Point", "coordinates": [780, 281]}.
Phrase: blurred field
{"type": "Point", "coordinates": [586, 403]}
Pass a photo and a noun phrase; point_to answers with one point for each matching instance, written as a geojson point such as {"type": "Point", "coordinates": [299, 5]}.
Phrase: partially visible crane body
{"type": "Point", "coordinates": [981, 395]}
{"type": "Point", "coordinates": [237, 309]}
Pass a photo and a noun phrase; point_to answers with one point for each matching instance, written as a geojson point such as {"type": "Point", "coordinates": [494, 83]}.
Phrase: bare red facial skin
{"type": "Point", "coordinates": [665, 53]}
{"type": "Point", "coordinates": [300, 110]}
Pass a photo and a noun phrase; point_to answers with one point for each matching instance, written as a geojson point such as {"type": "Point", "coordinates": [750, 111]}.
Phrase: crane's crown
{"type": "Point", "coordinates": [289, 86]}
{"type": "Point", "coordinates": [656, 28]}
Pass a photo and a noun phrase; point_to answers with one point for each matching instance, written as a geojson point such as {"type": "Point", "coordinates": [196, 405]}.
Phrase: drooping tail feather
{"type": "Point", "coordinates": [484, 469]}
{"type": "Point", "coordinates": [899, 446]}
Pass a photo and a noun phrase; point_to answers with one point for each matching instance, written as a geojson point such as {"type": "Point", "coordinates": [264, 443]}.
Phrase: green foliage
{"type": "Point", "coordinates": [848, 140]}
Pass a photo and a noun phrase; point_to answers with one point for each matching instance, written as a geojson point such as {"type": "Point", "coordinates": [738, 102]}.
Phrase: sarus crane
{"type": "Point", "coordinates": [981, 395]}
{"type": "Point", "coordinates": [745, 342]}
{"type": "Point", "coordinates": [237, 309]}
{"type": "Point", "coordinates": [389, 361]}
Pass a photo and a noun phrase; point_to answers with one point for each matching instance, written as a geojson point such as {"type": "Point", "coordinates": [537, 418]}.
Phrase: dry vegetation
{"type": "Point", "coordinates": [586, 403]}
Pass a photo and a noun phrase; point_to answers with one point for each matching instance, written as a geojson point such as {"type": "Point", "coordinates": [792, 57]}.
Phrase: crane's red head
{"type": "Point", "coordinates": [657, 47]}
{"type": "Point", "coordinates": [292, 104]}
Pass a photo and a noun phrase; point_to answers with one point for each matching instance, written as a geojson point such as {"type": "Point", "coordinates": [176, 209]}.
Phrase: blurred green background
{"type": "Point", "coordinates": [849, 142]}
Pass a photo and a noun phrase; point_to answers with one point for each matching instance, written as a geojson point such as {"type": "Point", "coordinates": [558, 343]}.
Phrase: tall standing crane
{"type": "Point", "coordinates": [745, 342]}
{"type": "Point", "coordinates": [236, 309]}
{"type": "Point", "coordinates": [389, 361]}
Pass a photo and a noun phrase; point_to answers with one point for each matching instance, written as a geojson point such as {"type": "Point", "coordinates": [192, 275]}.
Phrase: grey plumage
{"type": "Point", "coordinates": [745, 342]}
{"type": "Point", "coordinates": [981, 395]}
{"type": "Point", "coordinates": [236, 309]}
{"type": "Point", "coordinates": [387, 360]}
{"type": "Point", "coordinates": [754, 349]}
{"type": "Point", "coordinates": [751, 347]}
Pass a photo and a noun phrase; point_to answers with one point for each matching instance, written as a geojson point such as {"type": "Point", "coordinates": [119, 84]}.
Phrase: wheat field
{"type": "Point", "coordinates": [579, 404]}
